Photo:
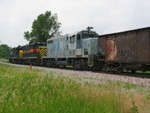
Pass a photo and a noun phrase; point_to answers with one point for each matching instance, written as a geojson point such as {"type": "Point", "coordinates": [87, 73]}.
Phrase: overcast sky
{"type": "Point", "coordinates": [106, 16]}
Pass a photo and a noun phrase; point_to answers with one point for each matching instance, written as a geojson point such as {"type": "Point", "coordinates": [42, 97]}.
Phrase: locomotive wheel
{"type": "Point", "coordinates": [110, 67]}
{"type": "Point", "coordinates": [133, 71]}
{"type": "Point", "coordinates": [75, 66]}
{"type": "Point", "coordinates": [120, 70]}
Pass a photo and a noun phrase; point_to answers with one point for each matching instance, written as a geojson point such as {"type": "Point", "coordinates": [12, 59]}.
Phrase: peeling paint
{"type": "Point", "coordinates": [111, 50]}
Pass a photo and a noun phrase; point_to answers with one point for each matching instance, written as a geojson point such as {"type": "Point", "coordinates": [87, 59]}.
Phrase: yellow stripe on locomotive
{"type": "Point", "coordinates": [20, 53]}
{"type": "Point", "coordinates": [42, 51]}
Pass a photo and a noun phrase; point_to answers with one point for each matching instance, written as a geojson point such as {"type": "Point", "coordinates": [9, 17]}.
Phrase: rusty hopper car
{"type": "Point", "coordinates": [128, 50]}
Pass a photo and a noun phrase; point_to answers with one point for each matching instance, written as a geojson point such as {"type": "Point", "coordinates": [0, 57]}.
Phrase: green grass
{"type": "Point", "coordinates": [147, 72]}
{"type": "Point", "coordinates": [4, 59]}
{"type": "Point", "coordinates": [129, 86]}
{"type": "Point", "coordinates": [36, 91]}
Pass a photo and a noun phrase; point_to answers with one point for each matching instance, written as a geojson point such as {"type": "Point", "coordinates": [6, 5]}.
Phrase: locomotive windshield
{"type": "Point", "coordinates": [89, 34]}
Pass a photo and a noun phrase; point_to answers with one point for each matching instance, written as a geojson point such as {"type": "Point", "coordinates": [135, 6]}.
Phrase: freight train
{"type": "Point", "coordinates": [128, 50]}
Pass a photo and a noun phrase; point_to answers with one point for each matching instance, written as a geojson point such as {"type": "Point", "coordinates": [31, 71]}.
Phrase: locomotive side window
{"type": "Point", "coordinates": [72, 39]}
{"type": "Point", "coordinates": [78, 37]}
{"type": "Point", "coordinates": [49, 42]}
{"type": "Point", "coordinates": [90, 34]}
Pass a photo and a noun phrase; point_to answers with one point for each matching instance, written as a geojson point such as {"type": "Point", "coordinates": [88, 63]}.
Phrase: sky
{"type": "Point", "coordinates": [105, 16]}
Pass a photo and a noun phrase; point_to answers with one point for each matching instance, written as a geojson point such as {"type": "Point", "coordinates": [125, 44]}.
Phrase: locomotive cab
{"type": "Point", "coordinates": [87, 45]}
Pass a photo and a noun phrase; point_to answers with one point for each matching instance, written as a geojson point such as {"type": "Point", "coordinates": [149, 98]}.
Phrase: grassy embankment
{"type": "Point", "coordinates": [36, 91]}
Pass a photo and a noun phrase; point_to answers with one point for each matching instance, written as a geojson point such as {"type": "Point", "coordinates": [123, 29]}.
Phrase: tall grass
{"type": "Point", "coordinates": [36, 91]}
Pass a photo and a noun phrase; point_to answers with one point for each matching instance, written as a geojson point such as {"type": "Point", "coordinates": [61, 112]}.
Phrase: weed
{"type": "Point", "coordinates": [134, 108]}
{"type": "Point", "coordinates": [129, 86]}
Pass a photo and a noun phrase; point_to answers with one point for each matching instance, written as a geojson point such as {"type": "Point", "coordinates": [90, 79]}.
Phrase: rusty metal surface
{"type": "Point", "coordinates": [129, 46]}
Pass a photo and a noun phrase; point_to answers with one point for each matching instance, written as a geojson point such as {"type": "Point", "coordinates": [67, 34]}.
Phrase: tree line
{"type": "Point", "coordinates": [5, 51]}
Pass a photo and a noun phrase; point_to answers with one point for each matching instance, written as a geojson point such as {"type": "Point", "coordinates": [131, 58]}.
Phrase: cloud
{"type": "Point", "coordinates": [104, 15]}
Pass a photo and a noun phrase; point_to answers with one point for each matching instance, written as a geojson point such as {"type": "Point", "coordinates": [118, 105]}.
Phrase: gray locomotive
{"type": "Point", "coordinates": [76, 49]}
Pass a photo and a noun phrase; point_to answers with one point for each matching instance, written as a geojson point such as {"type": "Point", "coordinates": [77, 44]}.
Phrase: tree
{"type": "Point", "coordinates": [5, 51]}
{"type": "Point", "coordinates": [43, 28]}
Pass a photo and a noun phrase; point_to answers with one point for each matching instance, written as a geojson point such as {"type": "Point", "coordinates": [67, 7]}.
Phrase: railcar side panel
{"type": "Point", "coordinates": [129, 46]}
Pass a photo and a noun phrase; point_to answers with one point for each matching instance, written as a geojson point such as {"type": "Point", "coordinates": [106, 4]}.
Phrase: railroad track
{"type": "Point", "coordinates": [135, 78]}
